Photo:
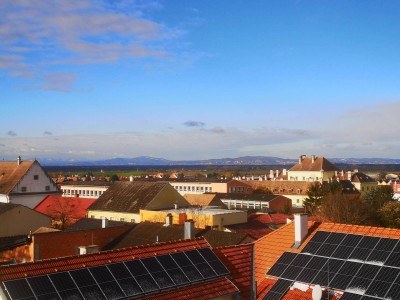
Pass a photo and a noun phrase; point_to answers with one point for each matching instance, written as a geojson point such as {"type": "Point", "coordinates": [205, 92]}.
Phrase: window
{"type": "Point", "coordinates": [298, 201]}
{"type": "Point", "coordinates": [35, 177]}
{"type": "Point", "coordinates": [23, 189]}
{"type": "Point", "coordinates": [92, 216]}
{"type": "Point", "coordinates": [47, 188]}
{"type": "Point", "coordinates": [112, 218]}
{"type": "Point", "coordinates": [122, 219]}
{"type": "Point", "coordinates": [132, 220]}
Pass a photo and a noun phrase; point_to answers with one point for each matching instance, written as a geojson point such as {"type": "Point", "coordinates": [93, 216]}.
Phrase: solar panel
{"type": "Point", "coordinates": [291, 272]}
{"type": "Point", "coordinates": [342, 252]}
{"type": "Point", "coordinates": [320, 236]}
{"type": "Point", "coordinates": [18, 289]}
{"type": "Point", "coordinates": [393, 260]}
{"type": "Point", "coordinates": [351, 240]}
{"type": "Point", "coordinates": [326, 250]}
{"type": "Point", "coordinates": [378, 288]}
{"type": "Point", "coordinates": [350, 296]}
{"type": "Point", "coordinates": [307, 275]}
{"type": "Point", "coordinates": [278, 289]}
{"type": "Point", "coordinates": [121, 280]}
{"type": "Point", "coordinates": [393, 292]}
{"type": "Point", "coordinates": [311, 247]}
{"type": "Point", "coordinates": [360, 254]}
{"type": "Point", "coordinates": [335, 238]}
{"type": "Point", "coordinates": [386, 244]}
{"type": "Point", "coordinates": [368, 242]}
{"type": "Point", "coordinates": [378, 257]}
{"type": "Point", "coordinates": [41, 285]}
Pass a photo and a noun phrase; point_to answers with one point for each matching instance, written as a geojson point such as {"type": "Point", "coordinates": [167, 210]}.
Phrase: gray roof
{"type": "Point", "coordinates": [126, 196]}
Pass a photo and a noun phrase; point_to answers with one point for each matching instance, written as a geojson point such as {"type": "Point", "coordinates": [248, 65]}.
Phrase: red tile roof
{"type": "Point", "coordinates": [239, 260]}
{"type": "Point", "coordinates": [53, 205]}
{"type": "Point", "coordinates": [76, 262]}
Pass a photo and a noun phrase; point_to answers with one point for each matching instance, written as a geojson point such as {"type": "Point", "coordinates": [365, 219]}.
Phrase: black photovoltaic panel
{"type": "Point", "coordinates": [342, 252]}
{"type": "Point", "coordinates": [350, 296]}
{"type": "Point", "coordinates": [326, 250]}
{"type": "Point", "coordinates": [286, 258]}
{"type": "Point", "coordinates": [386, 244]}
{"type": "Point", "coordinates": [301, 260]}
{"type": "Point", "coordinates": [368, 242]}
{"type": "Point", "coordinates": [19, 289]}
{"type": "Point", "coordinates": [360, 254]}
{"type": "Point", "coordinates": [335, 238]}
{"type": "Point", "coordinates": [101, 274]}
{"type": "Point", "coordinates": [388, 274]}
{"type": "Point", "coordinates": [307, 275]}
{"type": "Point", "coordinates": [311, 247]}
{"type": "Point", "coordinates": [320, 236]}
{"type": "Point", "coordinates": [378, 257]}
{"type": "Point", "coordinates": [41, 285]}
{"type": "Point", "coordinates": [278, 289]}
{"type": "Point", "coordinates": [393, 292]}
{"type": "Point", "coordinates": [351, 240]}
{"type": "Point", "coordinates": [82, 277]}
{"type": "Point", "coordinates": [359, 283]}
{"type": "Point", "coordinates": [393, 260]}
{"type": "Point", "coordinates": [378, 288]}
{"type": "Point", "coordinates": [120, 280]}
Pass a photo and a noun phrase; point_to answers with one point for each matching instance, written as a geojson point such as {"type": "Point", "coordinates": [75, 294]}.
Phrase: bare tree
{"type": "Point", "coordinates": [62, 210]}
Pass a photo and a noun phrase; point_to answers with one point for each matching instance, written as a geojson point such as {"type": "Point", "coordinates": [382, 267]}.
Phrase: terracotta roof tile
{"type": "Point", "coordinates": [318, 164]}
{"type": "Point", "coordinates": [76, 262]}
{"type": "Point", "coordinates": [238, 259]}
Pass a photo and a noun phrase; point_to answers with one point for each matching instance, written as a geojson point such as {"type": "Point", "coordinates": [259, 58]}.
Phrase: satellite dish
{"type": "Point", "coordinates": [317, 292]}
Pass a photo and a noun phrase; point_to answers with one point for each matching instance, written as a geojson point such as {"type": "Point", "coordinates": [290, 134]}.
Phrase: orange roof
{"type": "Point", "coordinates": [74, 207]}
{"type": "Point", "coordinates": [238, 259]}
{"type": "Point", "coordinates": [11, 173]}
{"type": "Point", "coordinates": [269, 248]}
{"type": "Point", "coordinates": [314, 164]}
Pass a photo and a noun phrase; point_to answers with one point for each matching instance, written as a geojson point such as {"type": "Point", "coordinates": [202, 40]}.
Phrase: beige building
{"type": "Point", "coordinates": [124, 200]}
{"type": "Point", "coordinates": [201, 187]}
{"type": "Point", "coordinates": [84, 189]}
{"type": "Point", "coordinates": [312, 169]}
{"type": "Point", "coordinates": [24, 182]}
{"type": "Point", "coordinates": [16, 219]}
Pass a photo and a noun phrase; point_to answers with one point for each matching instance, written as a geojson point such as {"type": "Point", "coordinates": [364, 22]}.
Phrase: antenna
{"type": "Point", "coordinates": [317, 292]}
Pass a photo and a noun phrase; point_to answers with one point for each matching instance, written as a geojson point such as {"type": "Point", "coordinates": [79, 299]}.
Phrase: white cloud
{"type": "Point", "coordinates": [38, 33]}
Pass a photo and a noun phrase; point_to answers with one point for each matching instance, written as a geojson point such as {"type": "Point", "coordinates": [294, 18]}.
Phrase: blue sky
{"type": "Point", "coordinates": [94, 79]}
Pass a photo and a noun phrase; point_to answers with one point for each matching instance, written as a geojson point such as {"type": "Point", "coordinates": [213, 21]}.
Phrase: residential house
{"type": "Point", "coordinates": [312, 169]}
{"type": "Point", "coordinates": [24, 182]}
{"type": "Point", "coordinates": [188, 269]}
{"type": "Point", "coordinates": [124, 200]}
{"type": "Point", "coordinates": [313, 260]}
{"type": "Point", "coordinates": [16, 219]}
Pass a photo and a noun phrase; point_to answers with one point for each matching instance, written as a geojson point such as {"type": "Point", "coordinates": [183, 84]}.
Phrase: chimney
{"type": "Point", "coordinates": [168, 220]}
{"type": "Point", "coordinates": [284, 172]}
{"type": "Point", "coordinates": [188, 230]}
{"type": "Point", "coordinates": [131, 178]}
{"type": "Point", "coordinates": [301, 158]}
{"type": "Point", "coordinates": [88, 249]}
{"type": "Point", "coordinates": [312, 159]}
{"type": "Point", "coordinates": [19, 160]}
{"type": "Point", "coordinates": [104, 222]}
{"type": "Point", "coordinates": [300, 229]}
{"type": "Point", "coordinates": [349, 175]}
{"type": "Point", "coordinates": [176, 205]}
{"type": "Point", "coordinates": [277, 173]}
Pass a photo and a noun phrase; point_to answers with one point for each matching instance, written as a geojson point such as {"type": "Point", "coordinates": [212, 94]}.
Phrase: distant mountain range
{"type": "Point", "coordinates": [244, 160]}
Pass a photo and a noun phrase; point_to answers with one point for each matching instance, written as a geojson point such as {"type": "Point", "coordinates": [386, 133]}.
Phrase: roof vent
{"type": "Point", "coordinates": [188, 230]}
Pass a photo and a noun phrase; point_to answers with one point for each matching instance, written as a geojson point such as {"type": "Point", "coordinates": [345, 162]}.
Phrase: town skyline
{"type": "Point", "coordinates": [100, 79]}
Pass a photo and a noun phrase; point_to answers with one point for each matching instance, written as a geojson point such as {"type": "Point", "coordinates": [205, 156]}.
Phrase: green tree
{"type": "Point", "coordinates": [389, 214]}
{"type": "Point", "coordinates": [114, 177]}
{"type": "Point", "coordinates": [378, 196]}
{"type": "Point", "coordinates": [315, 195]}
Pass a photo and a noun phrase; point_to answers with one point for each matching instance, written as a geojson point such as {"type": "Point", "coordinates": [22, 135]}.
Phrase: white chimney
{"type": "Point", "coordinates": [168, 220]}
{"type": "Point", "coordinates": [300, 229]}
{"type": "Point", "coordinates": [88, 249]}
{"type": "Point", "coordinates": [312, 159]}
{"type": "Point", "coordinates": [277, 173]}
{"type": "Point", "coordinates": [19, 160]}
{"type": "Point", "coordinates": [130, 178]}
{"type": "Point", "coordinates": [104, 222]}
{"type": "Point", "coordinates": [349, 175]}
{"type": "Point", "coordinates": [188, 230]}
{"type": "Point", "coordinates": [284, 172]}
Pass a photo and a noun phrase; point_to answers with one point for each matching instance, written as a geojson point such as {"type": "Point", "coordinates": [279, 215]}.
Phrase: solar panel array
{"type": "Point", "coordinates": [365, 267]}
{"type": "Point", "coordinates": [131, 278]}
